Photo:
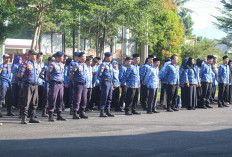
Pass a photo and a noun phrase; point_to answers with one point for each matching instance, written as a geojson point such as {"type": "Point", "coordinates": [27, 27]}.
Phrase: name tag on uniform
{"type": "Point", "coordinates": [102, 69]}
{"type": "Point", "coordinates": [70, 68]}
{"type": "Point", "coordinates": [23, 69]}
{"type": "Point", "coordinates": [30, 66]}
{"type": "Point", "coordinates": [75, 68]}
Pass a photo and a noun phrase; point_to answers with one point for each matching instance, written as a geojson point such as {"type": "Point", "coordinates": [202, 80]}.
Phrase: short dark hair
{"type": "Point", "coordinates": [225, 57]}
{"type": "Point", "coordinates": [89, 58]}
{"type": "Point", "coordinates": [173, 56]}
{"type": "Point", "coordinates": [39, 54]}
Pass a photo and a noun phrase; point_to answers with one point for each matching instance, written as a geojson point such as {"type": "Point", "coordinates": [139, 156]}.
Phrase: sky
{"type": "Point", "coordinates": [204, 10]}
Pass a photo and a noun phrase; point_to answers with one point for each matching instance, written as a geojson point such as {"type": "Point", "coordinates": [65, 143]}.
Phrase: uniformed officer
{"type": "Point", "coordinates": [67, 83]}
{"type": "Point", "coordinates": [223, 79]}
{"type": "Point", "coordinates": [29, 73]}
{"type": "Point", "coordinates": [75, 60]}
{"type": "Point", "coordinates": [182, 84]}
{"type": "Point", "coordinates": [15, 87]}
{"type": "Point", "coordinates": [105, 74]}
{"type": "Point", "coordinates": [89, 84]}
{"type": "Point", "coordinates": [122, 72]}
{"type": "Point", "coordinates": [215, 79]}
{"type": "Point", "coordinates": [116, 88]}
{"type": "Point", "coordinates": [43, 75]}
{"type": "Point", "coordinates": [55, 77]}
{"type": "Point", "coordinates": [151, 80]}
{"type": "Point", "coordinates": [5, 84]}
{"type": "Point", "coordinates": [172, 76]}
{"type": "Point", "coordinates": [133, 83]}
{"type": "Point", "coordinates": [206, 82]}
{"type": "Point", "coordinates": [79, 79]}
{"type": "Point", "coordinates": [143, 90]}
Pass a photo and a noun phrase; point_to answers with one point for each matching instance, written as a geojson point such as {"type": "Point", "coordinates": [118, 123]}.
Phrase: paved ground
{"type": "Point", "coordinates": [185, 133]}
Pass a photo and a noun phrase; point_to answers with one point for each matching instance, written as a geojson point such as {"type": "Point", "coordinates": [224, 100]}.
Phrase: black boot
{"type": "Point", "coordinates": [155, 110]}
{"type": "Point", "coordinates": [33, 120]}
{"type": "Point", "coordinates": [59, 117]}
{"type": "Point", "coordinates": [82, 115]}
{"type": "Point", "coordinates": [75, 116]}
{"type": "Point", "coordinates": [102, 114]}
{"type": "Point", "coordinates": [1, 113]}
{"type": "Point", "coordinates": [50, 117]}
{"type": "Point", "coordinates": [23, 120]}
{"type": "Point", "coordinates": [71, 111]}
{"type": "Point", "coordinates": [44, 114]}
{"type": "Point", "coordinates": [9, 113]}
{"type": "Point", "coordinates": [108, 113]}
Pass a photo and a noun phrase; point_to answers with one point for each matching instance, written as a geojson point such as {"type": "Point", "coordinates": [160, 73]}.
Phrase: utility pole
{"type": "Point", "coordinates": [79, 33]}
{"type": "Point", "coordinates": [122, 45]}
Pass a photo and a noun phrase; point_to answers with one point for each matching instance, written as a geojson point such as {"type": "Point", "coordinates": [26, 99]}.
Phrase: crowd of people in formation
{"type": "Point", "coordinates": [85, 83]}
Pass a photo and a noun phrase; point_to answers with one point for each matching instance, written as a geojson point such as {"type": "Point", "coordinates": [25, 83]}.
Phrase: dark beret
{"type": "Point", "coordinates": [128, 58]}
{"type": "Point", "coordinates": [6, 56]}
{"type": "Point", "coordinates": [156, 59]}
{"type": "Point", "coordinates": [98, 58]}
{"type": "Point", "coordinates": [51, 58]}
{"type": "Point", "coordinates": [108, 54]}
{"type": "Point", "coordinates": [59, 53]}
{"type": "Point", "coordinates": [135, 55]}
{"type": "Point", "coordinates": [81, 54]}
{"type": "Point", "coordinates": [32, 52]}
{"type": "Point", "coordinates": [76, 53]}
{"type": "Point", "coordinates": [168, 59]}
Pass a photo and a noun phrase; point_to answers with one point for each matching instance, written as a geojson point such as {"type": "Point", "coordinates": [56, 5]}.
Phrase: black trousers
{"type": "Point", "coordinates": [89, 95]}
{"type": "Point", "coordinates": [96, 95]}
{"type": "Point", "coordinates": [199, 94]}
{"type": "Point", "coordinates": [115, 98]}
{"type": "Point", "coordinates": [15, 95]}
{"type": "Point", "coordinates": [222, 93]}
{"type": "Point", "coordinates": [230, 94]}
{"type": "Point", "coordinates": [206, 92]}
{"type": "Point", "coordinates": [40, 95]}
{"type": "Point", "coordinates": [132, 95]}
{"type": "Point", "coordinates": [123, 96]}
{"type": "Point", "coordinates": [163, 94]}
{"type": "Point", "coordinates": [184, 97]}
{"type": "Point", "coordinates": [212, 95]}
{"type": "Point", "coordinates": [172, 91]}
{"type": "Point", "coordinates": [144, 95]}
{"type": "Point", "coordinates": [191, 95]}
{"type": "Point", "coordinates": [30, 99]}
{"type": "Point", "coordinates": [66, 97]}
{"type": "Point", "coordinates": [152, 99]}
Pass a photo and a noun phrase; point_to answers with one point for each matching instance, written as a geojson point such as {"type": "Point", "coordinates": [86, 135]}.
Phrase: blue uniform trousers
{"type": "Point", "coordinates": [79, 97]}
{"type": "Point", "coordinates": [5, 93]}
{"type": "Point", "coordinates": [70, 87]}
{"type": "Point", "coordinates": [55, 96]}
{"type": "Point", "coordinates": [106, 94]}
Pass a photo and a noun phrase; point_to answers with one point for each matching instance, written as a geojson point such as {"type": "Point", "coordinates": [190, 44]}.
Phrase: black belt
{"type": "Point", "coordinates": [31, 83]}
{"type": "Point", "coordinates": [80, 83]}
{"type": "Point", "coordinates": [108, 80]}
{"type": "Point", "coordinates": [57, 82]}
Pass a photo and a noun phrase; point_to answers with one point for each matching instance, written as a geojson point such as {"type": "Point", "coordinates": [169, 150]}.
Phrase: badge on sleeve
{"type": "Point", "coordinates": [76, 68]}
{"type": "Point", "coordinates": [71, 68]}
{"type": "Point", "coordinates": [102, 69]}
{"type": "Point", "coordinates": [23, 69]}
{"type": "Point", "coordinates": [51, 68]}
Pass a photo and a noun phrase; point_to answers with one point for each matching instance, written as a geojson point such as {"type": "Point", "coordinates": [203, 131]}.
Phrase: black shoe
{"type": "Point", "coordinates": [102, 114]}
{"type": "Point", "coordinates": [75, 116]}
{"type": "Point", "coordinates": [149, 112]}
{"type": "Point", "coordinates": [59, 117]}
{"type": "Point", "coordinates": [175, 109]}
{"type": "Point", "coordinates": [155, 111]}
{"type": "Point", "coordinates": [169, 110]}
{"type": "Point", "coordinates": [203, 107]}
{"type": "Point", "coordinates": [189, 108]}
{"type": "Point", "coordinates": [225, 105]}
{"type": "Point", "coordinates": [208, 106]}
{"type": "Point", "coordinates": [220, 106]}
{"type": "Point", "coordinates": [50, 117]}
{"type": "Point", "coordinates": [71, 111]}
{"type": "Point", "coordinates": [136, 113]}
{"type": "Point", "coordinates": [32, 120]}
{"type": "Point", "coordinates": [128, 113]}
{"type": "Point", "coordinates": [9, 113]}
{"type": "Point", "coordinates": [44, 114]}
{"type": "Point", "coordinates": [23, 120]}
{"type": "Point", "coordinates": [82, 115]}
{"type": "Point", "coordinates": [1, 115]}
{"type": "Point", "coordinates": [108, 113]}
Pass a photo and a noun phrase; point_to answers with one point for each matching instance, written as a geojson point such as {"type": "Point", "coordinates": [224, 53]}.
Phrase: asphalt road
{"type": "Point", "coordinates": [201, 133]}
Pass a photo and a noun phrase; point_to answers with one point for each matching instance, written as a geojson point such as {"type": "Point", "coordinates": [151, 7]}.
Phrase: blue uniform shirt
{"type": "Point", "coordinates": [116, 82]}
{"type": "Point", "coordinates": [80, 72]}
{"type": "Point", "coordinates": [215, 74]}
{"type": "Point", "coordinates": [105, 71]}
{"type": "Point", "coordinates": [198, 74]}
{"type": "Point", "coordinates": [162, 73]}
{"type": "Point", "coordinates": [70, 66]}
{"type": "Point", "coordinates": [143, 71]}
{"type": "Point", "coordinates": [206, 73]}
{"type": "Point", "coordinates": [29, 71]}
{"type": "Point", "coordinates": [89, 77]}
{"type": "Point", "coordinates": [172, 74]}
{"type": "Point", "coordinates": [56, 71]}
{"type": "Point", "coordinates": [132, 76]}
{"type": "Point", "coordinates": [223, 74]}
{"type": "Point", "coordinates": [122, 72]}
{"type": "Point", "coordinates": [182, 77]}
{"type": "Point", "coordinates": [96, 81]}
{"type": "Point", "coordinates": [43, 73]}
{"type": "Point", "coordinates": [190, 76]}
{"type": "Point", "coordinates": [152, 77]}
{"type": "Point", "coordinates": [15, 70]}
{"type": "Point", "coordinates": [67, 78]}
{"type": "Point", "coordinates": [40, 67]}
{"type": "Point", "coordinates": [5, 75]}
